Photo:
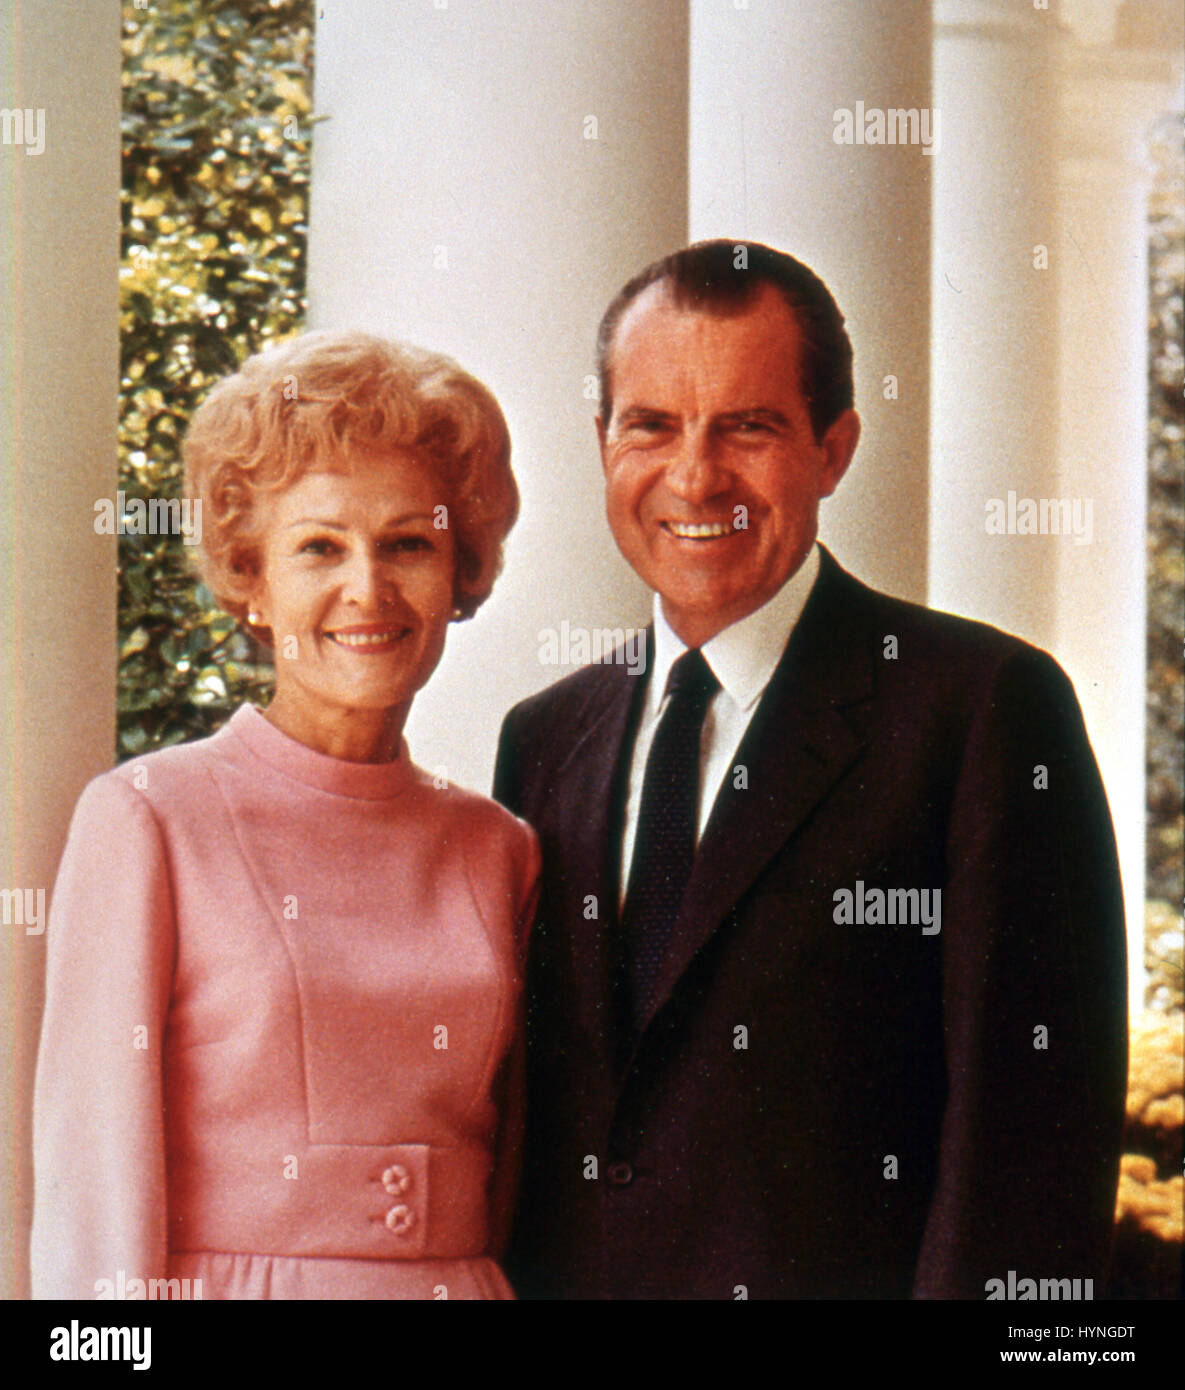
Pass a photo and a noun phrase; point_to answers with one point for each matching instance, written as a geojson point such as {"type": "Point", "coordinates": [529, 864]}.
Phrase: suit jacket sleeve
{"type": "Point", "coordinates": [506, 769]}
{"type": "Point", "coordinates": [98, 1127]}
{"type": "Point", "coordinates": [1034, 1000]}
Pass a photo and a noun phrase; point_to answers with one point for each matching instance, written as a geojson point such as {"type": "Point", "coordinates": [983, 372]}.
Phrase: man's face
{"type": "Point", "coordinates": [713, 475]}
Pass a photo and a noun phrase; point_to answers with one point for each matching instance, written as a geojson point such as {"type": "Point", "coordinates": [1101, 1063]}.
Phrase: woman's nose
{"type": "Point", "coordinates": [366, 582]}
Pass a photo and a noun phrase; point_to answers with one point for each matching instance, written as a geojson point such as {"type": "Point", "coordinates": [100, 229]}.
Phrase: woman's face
{"type": "Point", "coordinates": [356, 584]}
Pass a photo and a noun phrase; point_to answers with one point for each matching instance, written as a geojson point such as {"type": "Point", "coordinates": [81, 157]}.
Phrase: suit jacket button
{"type": "Point", "coordinates": [400, 1220]}
{"type": "Point", "coordinates": [620, 1174]}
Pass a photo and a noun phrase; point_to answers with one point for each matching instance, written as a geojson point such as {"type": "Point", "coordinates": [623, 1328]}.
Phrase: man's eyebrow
{"type": "Point", "coordinates": [760, 414]}
{"type": "Point", "coordinates": [648, 412]}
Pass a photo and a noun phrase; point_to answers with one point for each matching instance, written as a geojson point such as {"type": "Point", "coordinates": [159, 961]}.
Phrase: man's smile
{"type": "Point", "coordinates": [698, 530]}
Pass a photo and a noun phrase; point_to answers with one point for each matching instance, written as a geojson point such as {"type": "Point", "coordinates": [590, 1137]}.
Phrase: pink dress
{"type": "Point", "coordinates": [282, 1044]}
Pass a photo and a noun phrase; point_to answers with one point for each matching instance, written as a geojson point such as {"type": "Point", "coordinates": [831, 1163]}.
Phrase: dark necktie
{"type": "Point", "coordinates": [664, 846]}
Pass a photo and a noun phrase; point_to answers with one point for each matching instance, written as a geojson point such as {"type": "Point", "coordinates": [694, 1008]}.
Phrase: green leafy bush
{"type": "Point", "coordinates": [1166, 569]}
{"type": "Point", "coordinates": [1166, 515]}
{"type": "Point", "coordinates": [216, 153]}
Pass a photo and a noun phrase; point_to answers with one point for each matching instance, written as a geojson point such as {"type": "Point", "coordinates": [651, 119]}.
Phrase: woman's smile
{"type": "Point", "coordinates": [370, 639]}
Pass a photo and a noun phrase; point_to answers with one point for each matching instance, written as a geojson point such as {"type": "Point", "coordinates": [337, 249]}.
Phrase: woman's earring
{"type": "Point", "coordinates": [254, 618]}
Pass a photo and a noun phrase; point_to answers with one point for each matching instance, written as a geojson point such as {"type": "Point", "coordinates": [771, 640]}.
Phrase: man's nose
{"type": "Point", "coordinates": [697, 474]}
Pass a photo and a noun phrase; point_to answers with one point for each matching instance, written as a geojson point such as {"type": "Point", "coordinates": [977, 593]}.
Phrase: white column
{"type": "Point", "coordinates": [767, 82]}
{"type": "Point", "coordinates": [59, 374]}
{"type": "Point", "coordinates": [995, 363]}
{"type": "Point", "coordinates": [488, 178]}
{"type": "Point", "coordinates": [1110, 98]}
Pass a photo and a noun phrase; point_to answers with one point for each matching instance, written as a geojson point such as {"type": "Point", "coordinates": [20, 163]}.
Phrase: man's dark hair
{"type": "Point", "coordinates": [724, 277]}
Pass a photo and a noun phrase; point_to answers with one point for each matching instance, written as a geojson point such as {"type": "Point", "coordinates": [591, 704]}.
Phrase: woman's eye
{"type": "Point", "coordinates": [407, 544]}
{"type": "Point", "coordinates": [318, 547]}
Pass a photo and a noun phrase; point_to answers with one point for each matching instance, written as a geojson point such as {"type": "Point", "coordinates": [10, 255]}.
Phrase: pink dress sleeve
{"type": "Point", "coordinates": [98, 1124]}
{"type": "Point", "coordinates": [508, 1152]}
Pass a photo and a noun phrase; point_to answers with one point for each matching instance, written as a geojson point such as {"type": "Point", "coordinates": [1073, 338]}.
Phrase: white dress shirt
{"type": "Point", "coordinates": [742, 658]}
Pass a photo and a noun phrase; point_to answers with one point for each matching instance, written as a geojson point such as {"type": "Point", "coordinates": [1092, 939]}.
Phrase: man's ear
{"type": "Point", "coordinates": [838, 445]}
{"type": "Point", "coordinates": [602, 435]}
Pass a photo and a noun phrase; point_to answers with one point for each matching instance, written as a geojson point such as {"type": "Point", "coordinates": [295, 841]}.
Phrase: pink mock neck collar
{"type": "Point", "coordinates": [370, 781]}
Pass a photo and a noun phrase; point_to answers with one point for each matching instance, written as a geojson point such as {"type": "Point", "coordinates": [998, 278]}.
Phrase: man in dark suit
{"type": "Point", "coordinates": [827, 989]}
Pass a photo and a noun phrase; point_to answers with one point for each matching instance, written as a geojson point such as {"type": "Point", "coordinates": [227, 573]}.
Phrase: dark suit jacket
{"type": "Point", "coordinates": [818, 1108]}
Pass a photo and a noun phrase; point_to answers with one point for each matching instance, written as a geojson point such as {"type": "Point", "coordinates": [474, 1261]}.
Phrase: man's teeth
{"type": "Point", "coordinates": [364, 639]}
{"type": "Point", "coordinates": [700, 530]}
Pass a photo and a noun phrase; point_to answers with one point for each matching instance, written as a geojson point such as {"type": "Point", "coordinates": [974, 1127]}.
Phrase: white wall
{"type": "Point", "coordinates": [766, 82]}
{"type": "Point", "coordinates": [464, 128]}
{"type": "Point", "coordinates": [59, 367]}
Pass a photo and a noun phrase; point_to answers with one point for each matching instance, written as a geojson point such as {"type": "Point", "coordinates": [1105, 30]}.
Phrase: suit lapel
{"type": "Point", "coordinates": [798, 744]}
{"type": "Point", "coordinates": [590, 826]}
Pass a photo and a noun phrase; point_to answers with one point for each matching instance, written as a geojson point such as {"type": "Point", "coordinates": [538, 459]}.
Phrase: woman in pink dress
{"type": "Point", "coordinates": [281, 1051]}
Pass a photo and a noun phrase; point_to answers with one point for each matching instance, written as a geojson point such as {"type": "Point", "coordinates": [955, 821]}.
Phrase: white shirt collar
{"type": "Point", "coordinates": [744, 655]}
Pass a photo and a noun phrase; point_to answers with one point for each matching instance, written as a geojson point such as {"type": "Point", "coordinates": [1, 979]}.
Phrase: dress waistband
{"type": "Point", "coordinates": [383, 1202]}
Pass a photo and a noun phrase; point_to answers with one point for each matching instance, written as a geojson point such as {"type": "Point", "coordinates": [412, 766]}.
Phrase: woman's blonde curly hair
{"type": "Point", "coordinates": [309, 403]}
